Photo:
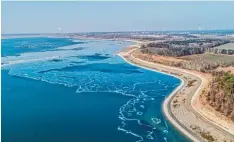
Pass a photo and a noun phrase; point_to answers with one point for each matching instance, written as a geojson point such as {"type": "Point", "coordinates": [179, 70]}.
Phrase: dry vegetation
{"type": "Point", "coordinates": [190, 83]}
{"type": "Point", "coordinates": [205, 134]}
{"type": "Point", "coordinates": [220, 94]}
{"type": "Point", "coordinates": [200, 62]}
{"type": "Point", "coordinates": [166, 49]}
{"type": "Point", "coordinates": [207, 62]}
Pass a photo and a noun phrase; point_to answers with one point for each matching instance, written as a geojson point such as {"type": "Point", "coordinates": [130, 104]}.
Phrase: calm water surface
{"type": "Point", "coordinates": [62, 90]}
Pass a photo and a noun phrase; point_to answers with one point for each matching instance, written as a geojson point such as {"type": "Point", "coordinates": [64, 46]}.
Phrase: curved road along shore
{"type": "Point", "coordinates": [220, 133]}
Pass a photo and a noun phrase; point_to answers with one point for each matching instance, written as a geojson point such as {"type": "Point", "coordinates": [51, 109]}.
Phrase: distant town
{"type": "Point", "coordinates": [190, 42]}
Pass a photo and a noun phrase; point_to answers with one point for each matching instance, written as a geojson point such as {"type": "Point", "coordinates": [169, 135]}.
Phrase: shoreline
{"type": "Point", "coordinates": [167, 106]}
{"type": "Point", "coordinates": [167, 100]}
{"type": "Point", "coordinates": [217, 130]}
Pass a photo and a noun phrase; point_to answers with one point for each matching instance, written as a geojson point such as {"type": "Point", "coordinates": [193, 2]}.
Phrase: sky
{"type": "Point", "coordinates": [48, 17]}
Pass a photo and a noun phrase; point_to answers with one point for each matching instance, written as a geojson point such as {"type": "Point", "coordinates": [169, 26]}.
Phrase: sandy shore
{"type": "Point", "coordinates": [183, 108]}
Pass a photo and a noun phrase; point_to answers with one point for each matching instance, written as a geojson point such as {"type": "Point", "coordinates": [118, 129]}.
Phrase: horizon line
{"type": "Point", "coordinates": [36, 33]}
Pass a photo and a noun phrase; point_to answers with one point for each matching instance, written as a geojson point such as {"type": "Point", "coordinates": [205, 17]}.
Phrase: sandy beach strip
{"type": "Point", "coordinates": [185, 116]}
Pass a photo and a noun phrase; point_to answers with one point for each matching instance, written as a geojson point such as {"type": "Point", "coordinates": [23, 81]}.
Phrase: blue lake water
{"type": "Point", "coordinates": [64, 90]}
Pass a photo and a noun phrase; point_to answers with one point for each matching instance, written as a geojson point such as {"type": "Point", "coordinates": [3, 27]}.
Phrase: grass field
{"type": "Point", "coordinates": [207, 62]}
{"type": "Point", "coordinates": [210, 57]}
{"type": "Point", "coordinates": [226, 46]}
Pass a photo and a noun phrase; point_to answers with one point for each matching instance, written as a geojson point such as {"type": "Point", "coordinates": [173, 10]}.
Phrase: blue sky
{"type": "Point", "coordinates": [47, 17]}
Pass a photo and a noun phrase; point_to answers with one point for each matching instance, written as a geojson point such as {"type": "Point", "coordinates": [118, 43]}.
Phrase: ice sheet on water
{"type": "Point", "coordinates": [96, 69]}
